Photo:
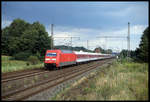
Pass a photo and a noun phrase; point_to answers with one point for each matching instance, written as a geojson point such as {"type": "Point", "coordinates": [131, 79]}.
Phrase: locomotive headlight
{"type": "Point", "coordinates": [54, 59]}
{"type": "Point", "coordinates": [47, 59]}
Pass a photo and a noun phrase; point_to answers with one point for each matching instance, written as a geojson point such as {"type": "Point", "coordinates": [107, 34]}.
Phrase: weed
{"type": "Point", "coordinates": [33, 82]}
{"type": "Point", "coordinates": [45, 75]}
{"type": "Point", "coordinates": [36, 78]}
{"type": "Point", "coordinates": [9, 86]}
{"type": "Point", "coordinates": [122, 81]}
{"type": "Point", "coordinates": [25, 81]}
{"type": "Point", "coordinates": [86, 89]}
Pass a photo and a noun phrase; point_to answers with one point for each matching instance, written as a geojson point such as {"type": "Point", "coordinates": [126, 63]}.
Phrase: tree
{"type": "Point", "coordinates": [17, 27]}
{"type": "Point", "coordinates": [123, 53]}
{"type": "Point", "coordinates": [99, 49]}
{"type": "Point", "coordinates": [42, 40]}
{"type": "Point", "coordinates": [4, 41]}
{"type": "Point", "coordinates": [21, 36]}
{"type": "Point", "coordinates": [11, 41]}
{"type": "Point", "coordinates": [143, 47]}
{"type": "Point", "coordinates": [109, 51]}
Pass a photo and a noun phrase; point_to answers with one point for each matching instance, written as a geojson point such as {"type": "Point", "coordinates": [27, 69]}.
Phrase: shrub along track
{"type": "Point", "coordinates": [55, 78]}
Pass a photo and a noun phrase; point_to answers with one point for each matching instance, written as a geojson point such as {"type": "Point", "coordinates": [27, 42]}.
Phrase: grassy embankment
{"type": "Point", "coordinates": [120, 81]}
{"type": "Point", "coordinates": [14, 65]}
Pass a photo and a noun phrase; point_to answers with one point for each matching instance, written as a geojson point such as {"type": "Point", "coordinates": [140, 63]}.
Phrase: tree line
{"type": "Point", "coordinates": [22, 39]}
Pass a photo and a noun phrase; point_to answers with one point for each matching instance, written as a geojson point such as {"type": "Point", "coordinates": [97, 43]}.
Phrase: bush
{"type": "Point", "coordinates": [40, 57]}
{"type": "Point", "coordinates": [33, 59]}
{"type": "Point", "coordinates": [21, 56]}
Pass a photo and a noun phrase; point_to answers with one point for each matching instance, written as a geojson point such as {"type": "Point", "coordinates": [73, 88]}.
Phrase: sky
{"type": "Point", "coordinates": [84, 21]}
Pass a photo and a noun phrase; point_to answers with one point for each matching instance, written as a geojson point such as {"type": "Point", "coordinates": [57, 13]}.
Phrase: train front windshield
{"type": "Point", "coordinates": [51, 54]}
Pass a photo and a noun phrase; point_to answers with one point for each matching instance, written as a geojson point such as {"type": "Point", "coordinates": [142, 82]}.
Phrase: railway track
{"type": "Point", "coordinates": [16, 76]}
{"type": "Point", "coordinates": [23, 75]}
{"type": "Point", "coordinates": [10, 75]}
{"type": "Point", "coordinates": [18, 83]}
{"type": "Point", "coordinates": [11, 85]}
{"type": "Point", "coordinates": [15, 73]}
{"type": "Point", "coordinates": [50, 75]}
{"type": "Point", "coordinates": [46, 84]}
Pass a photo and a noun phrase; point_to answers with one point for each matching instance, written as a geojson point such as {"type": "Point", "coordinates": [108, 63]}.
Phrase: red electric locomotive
{"type": "Point", "coordinates": [58, 58]}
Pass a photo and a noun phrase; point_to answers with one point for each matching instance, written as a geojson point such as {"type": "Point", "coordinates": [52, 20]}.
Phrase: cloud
{"type": "Point", "coordinates": [125, 10]}
{"type": "Point", "coordinates": [92, 36]}
{"type": "Point", "coordinates": [138, 29]}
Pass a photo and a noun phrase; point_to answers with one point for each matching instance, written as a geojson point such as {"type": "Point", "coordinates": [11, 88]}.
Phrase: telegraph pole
{"type": "Point", "coordinates": [106, 43]}
{"type": "Point", "coordinates": [52, 36]}
{"type": "Point", "coordinates": [71, 41]}
{"type": "Point", "coordinates": [87, 44]}
{"type": "Point", "coordinates": [128, 38]}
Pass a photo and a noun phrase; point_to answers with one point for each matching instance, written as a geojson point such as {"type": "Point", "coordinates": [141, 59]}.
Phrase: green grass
{"type": "Point", "coordinates": [121, 81]}
{"type": "Point", "coordinates": [9, 65]}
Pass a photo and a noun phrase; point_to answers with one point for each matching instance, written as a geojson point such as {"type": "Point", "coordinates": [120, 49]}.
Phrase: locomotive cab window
{"type": "Point", "coordinates": [51, 54]}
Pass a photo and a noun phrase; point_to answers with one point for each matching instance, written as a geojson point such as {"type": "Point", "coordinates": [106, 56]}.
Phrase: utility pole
{"type": "Point", "coordinates": [52, 36]}
{"type": "Point", "coordinates": [87, 44]}
{"type": "Point", "coordinates": [128, 39]}
{"type": "Point", "coordinates": [106, 43]}
{"type": "Point", "coordinates": [71, 41]}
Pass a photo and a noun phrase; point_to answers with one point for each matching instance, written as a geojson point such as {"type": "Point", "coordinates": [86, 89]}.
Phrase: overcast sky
{"type": "Point", "coordinates": [86, 20]}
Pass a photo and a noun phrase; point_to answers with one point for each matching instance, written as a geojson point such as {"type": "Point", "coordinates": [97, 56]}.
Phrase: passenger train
{"type": "Point", "coordinates": [59, 58]}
